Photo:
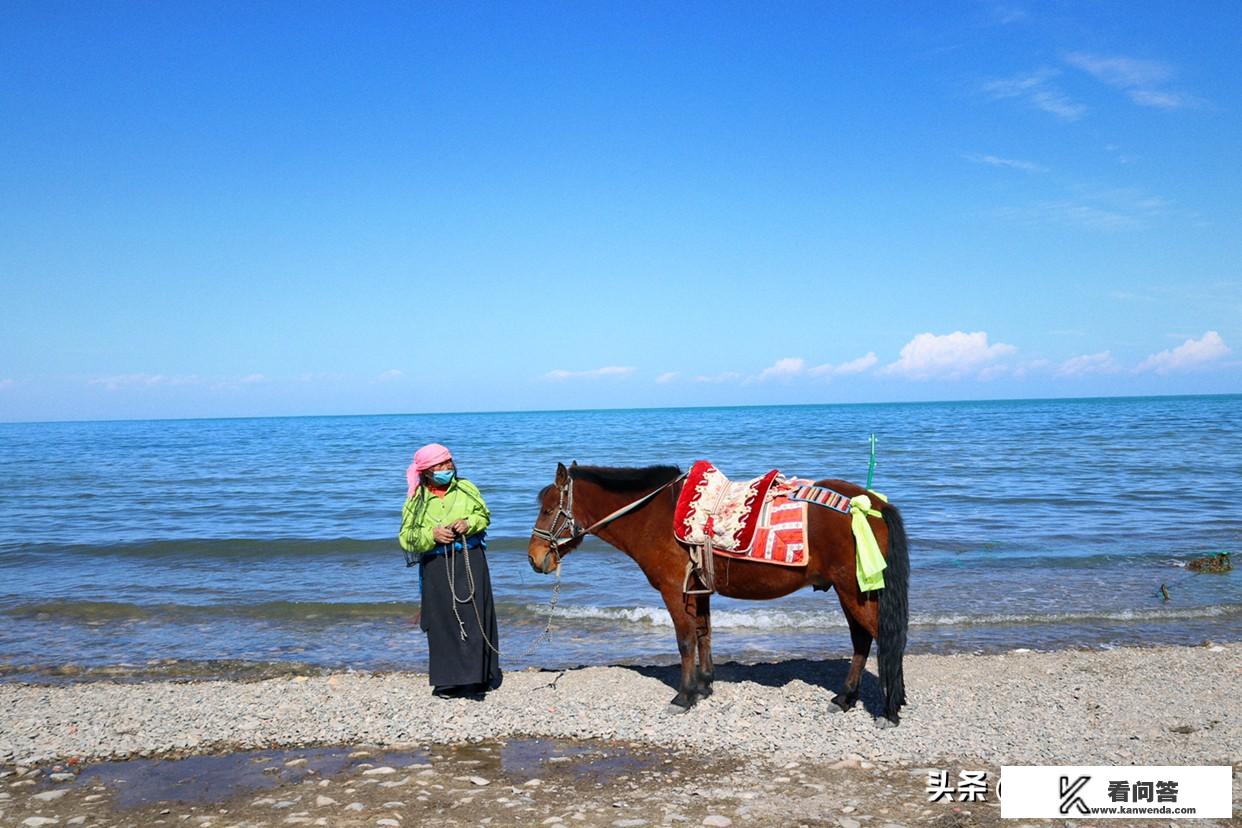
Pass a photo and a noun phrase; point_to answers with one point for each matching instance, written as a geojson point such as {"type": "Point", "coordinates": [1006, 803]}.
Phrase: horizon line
{"type": "Point", "coordinates": [612, 409]}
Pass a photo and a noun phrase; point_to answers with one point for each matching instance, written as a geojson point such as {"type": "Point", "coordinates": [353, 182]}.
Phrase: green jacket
{"type": "Point", "coordinates": [424, 511]}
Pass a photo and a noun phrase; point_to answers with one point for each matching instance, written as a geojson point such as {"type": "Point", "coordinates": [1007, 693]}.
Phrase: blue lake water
{"type": "Point", "coordinates": [1038, 524]}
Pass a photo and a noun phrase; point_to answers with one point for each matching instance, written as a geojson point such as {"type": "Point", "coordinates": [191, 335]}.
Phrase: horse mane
{"type": "Point", "coordinates": [625, 479]}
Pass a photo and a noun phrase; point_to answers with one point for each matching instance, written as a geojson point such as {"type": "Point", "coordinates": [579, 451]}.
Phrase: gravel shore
{"type": "Point", "coordinates": [766, 742]}
{"type": "Point", "coordinates": [1160, 705]}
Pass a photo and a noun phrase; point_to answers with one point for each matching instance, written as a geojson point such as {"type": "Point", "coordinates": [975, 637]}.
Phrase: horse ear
{"type": "Point", "coordinates": [562, 474]}
{"type": "Point", "coordinates": [574, 464]}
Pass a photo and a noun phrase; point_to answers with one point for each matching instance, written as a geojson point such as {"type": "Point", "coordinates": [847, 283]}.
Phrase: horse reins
{"type": "Point", "coordinates": [554, 534]}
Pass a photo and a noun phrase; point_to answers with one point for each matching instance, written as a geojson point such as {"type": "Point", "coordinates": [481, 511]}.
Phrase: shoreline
{"type": "Point", "coordinates": [595, 746]}
{"type": "Point", "coordinates": [1126, 704]}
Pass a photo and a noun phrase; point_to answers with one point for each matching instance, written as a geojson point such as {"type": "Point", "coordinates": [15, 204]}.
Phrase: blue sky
{"type": "Point", "coordinates": [222, 209]}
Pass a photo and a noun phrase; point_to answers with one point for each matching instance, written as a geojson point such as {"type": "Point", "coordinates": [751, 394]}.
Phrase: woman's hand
{"type": "Point", "coordinates": [460, 527]}
{"type": "Point", "coordinates": [443, 534]}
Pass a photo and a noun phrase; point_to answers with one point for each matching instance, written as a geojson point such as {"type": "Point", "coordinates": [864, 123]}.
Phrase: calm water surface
{"type": "Point", "coordinates": [1039, 524]}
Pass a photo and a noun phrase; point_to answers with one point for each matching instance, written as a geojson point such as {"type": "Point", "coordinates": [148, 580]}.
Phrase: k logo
{"type": "Point", "coordinates": [1069, 794]}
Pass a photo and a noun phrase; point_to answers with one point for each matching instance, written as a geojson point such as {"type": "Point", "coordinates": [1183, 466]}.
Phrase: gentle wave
{"type": "Point", "coordinates": [258, 549]}
{"type": "Point", "coordinates": [652, 616]}
{"type": "Point", "coordinates": [811, 619]}
{"type": "Point", "coordinates": [104, 611]}
{"type": "Point", "coordinates": [205, 548]}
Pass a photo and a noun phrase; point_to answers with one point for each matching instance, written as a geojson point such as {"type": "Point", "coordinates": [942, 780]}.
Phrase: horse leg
{"type": "Point", "coordinates": [703, 633]}
{"type": "Point", "coordinates": [681, 608]}
{"type": "Point", "coordinates": [848, 696]}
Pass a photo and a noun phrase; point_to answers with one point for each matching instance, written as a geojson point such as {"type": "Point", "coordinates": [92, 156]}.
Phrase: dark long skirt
{"type": "Point", "coordinates": [455, 662]}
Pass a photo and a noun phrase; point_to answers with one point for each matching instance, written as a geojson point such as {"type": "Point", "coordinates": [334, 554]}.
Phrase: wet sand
{"type": "Point", "coordinates": [518, 782]}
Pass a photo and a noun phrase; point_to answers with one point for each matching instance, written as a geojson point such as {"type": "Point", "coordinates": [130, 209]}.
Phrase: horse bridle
{"type": "Point", "coordinates": [553, 535]}
{"type": "Point", "coordinates": [565, 520]}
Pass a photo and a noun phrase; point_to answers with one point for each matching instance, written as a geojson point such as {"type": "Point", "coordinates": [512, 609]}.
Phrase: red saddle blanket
{"type": "Point", "coordinates": [752, 519]}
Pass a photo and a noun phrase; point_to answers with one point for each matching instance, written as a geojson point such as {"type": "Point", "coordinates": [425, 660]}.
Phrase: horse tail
{"type": "Point", "coordinates": [894, 614]}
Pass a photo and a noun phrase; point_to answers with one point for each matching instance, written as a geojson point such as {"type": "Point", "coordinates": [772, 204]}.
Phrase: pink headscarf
{"type": "Point", "coordinates": [429, 455]}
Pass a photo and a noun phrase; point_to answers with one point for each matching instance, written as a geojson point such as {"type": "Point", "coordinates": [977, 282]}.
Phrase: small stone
{"type": "Point", "coordinates": [62, 777]}
{"type": "Point", "coordinates": [387, 823]}
{"type": "Point", "coordinates": [717, 821]}
{"type": "Point", "coordinates": [77, 820]}
{"type": "Point", "coordinates": [93, 798]}
{"type": "Point", "coordinates": [846, 822]}
{"type": "Point", "coordinates": [382, 770]}
{"type": "Point", "coordinates": [393, 804]}
{"type": "Point", "coordinates": [295, 763]}
{"type": "Point", "coordinates": [285, 803]}
{"type": "Point", "coordinates": [322, 801]}
{"type": "Point", "coordinates": [553, 820]}
{"type": "Point", "coordinates": [48, 796]}
{"type": "Point", "coordinates": [478, 780]}
{"type": "Point", "coordinates": [532, 783]}
{"type": "Point", "coordinates": [355, 806]}
{"type": "Point", "coordinates": [38, 822]}
{"type": "Point", "coordinates": [628, 823]}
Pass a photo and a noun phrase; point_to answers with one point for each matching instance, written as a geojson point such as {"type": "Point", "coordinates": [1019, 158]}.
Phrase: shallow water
{"type": "Point", "coordinates": [214, 778]}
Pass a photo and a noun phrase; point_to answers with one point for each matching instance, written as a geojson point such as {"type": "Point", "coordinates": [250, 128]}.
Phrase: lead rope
{"type": "Point", "coordinates": [469, 599]}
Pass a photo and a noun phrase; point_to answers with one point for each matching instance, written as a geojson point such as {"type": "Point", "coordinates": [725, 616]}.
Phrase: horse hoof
{"type": "Point", "coordinates": [676, 709]}
{"type": "Point", "coordinates": [884, 723]}
{"type": "Point", "coordinates": [839, 705]}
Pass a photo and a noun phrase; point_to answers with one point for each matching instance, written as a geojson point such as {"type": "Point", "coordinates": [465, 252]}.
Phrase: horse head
{"type": "Point", "coordinates": [556, 532]}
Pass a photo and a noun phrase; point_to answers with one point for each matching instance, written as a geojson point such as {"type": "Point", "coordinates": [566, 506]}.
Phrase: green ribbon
{"type": "Point", "coordinates": [869, 560]}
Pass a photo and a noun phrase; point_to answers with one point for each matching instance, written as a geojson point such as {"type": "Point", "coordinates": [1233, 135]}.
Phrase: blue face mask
{"type": "Point", "coordinates": [442, 478]}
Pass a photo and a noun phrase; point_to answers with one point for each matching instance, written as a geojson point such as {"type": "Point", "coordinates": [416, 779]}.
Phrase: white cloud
{"type": "Point", "coordinates": [1037, 91]}
{"type": "Point", "coordinates": [594, 373]}
{"type": "Point", "coordinates": [950, 356]}
{"type": "Point", "coordinates": [854, 366]}
{"type": "Point", "coordinates": [667, 376]}
{"type": "Point", "coordinates": [1032, 366]}
{"type": "Point", "coordinates": [715, 379]}
{"type": "Point", "coordinates": [120, 382]}
{"type": "Point", "coordinates": [1191, 354]}
{"type": "Point", "coordinates": [1122, 72]}
{"type": "Point", "coordinates": [783, 369]}
{"type": "Point", "coordinates": [1087, 364]}
{"type": "Point", "coordinates": [390, 375]}
{"type": "Point", "coordinates": [1161, 100]}
{"type": "Point", "coordinates": [1071, 213]}
{"type": "Point", "coordinates": [253, 379]}
{"type": "Point", "coordinates": [1006, 13]}
{"type": "Point", "coordinates": [1010, 163]}
{"type": "Point", "coordinates": [1057, 103]}
{"type": "Point", "coordinates": [1139, 79]}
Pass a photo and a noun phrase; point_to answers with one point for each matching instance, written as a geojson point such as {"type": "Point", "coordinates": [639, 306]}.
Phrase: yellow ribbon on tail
{"type": "Point", "coordinates": [870, 561]}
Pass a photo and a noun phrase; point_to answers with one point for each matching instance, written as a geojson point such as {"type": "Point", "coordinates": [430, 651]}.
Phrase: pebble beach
{"type": "Point", "coordinates": [764, 749]}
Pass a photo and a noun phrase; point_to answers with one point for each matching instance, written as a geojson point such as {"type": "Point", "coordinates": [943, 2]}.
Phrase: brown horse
{"type": "Point", "coordinates": [585, 500]}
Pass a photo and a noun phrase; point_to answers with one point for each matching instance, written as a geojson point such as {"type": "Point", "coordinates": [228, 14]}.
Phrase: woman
{"type": "Point", "coordinates": [442, 531]}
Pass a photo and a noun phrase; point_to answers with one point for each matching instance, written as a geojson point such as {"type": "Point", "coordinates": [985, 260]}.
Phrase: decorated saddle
{"type": "Point", "coordinates": [751, 518]}
{"type": "Point", "coordinates": [765, 519]}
